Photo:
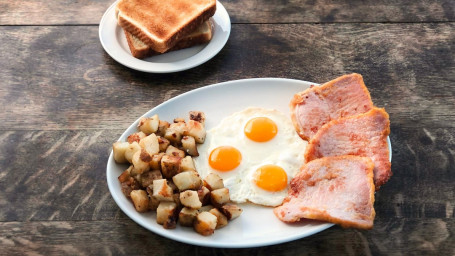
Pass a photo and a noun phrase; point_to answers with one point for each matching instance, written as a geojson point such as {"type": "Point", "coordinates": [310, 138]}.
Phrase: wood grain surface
{"type": "Point", "coordinates": [64, 101]}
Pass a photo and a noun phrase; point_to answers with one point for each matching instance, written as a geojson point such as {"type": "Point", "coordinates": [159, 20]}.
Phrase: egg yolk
{"type": "Point", "coordinates": [225, 158]}
{"type": "Point", "coordinates": [271, 178]}
{"type": "Point", "coordinates": [260, 129]}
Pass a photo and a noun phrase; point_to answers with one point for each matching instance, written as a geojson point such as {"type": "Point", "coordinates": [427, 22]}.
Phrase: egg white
{"type": "Point", "coordinates": [286, 150]}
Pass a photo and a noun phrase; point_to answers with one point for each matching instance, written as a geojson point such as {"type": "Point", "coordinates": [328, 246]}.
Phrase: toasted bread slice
{"type": "Point", "coordinates": [161, 24]}
{"type": "Point", "coordinates": [141, 50]}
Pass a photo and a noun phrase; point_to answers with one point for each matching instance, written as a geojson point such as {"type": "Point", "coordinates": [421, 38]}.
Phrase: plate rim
{"type": "Point", "coordinates": [221, 16]}
{"type": "Point", "coordinates": [202, 242]}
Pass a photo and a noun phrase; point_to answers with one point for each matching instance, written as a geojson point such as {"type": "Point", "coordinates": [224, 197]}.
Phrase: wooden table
{"type": "Point", "coordinates": [64, 101]}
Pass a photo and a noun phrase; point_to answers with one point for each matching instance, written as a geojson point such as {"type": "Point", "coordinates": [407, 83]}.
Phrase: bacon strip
{"type": "Point", "coordinates": [336, 189]}
{"type": "Point", "coordinates": [318, 105]}
{"type": "Point", "coordinates": [360, 135]}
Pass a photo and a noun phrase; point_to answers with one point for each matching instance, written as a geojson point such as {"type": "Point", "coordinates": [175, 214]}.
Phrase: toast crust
{"type": "Point", "coordinates": [157, 35]}
{"type": "Point", "coordinates": [195, 38]}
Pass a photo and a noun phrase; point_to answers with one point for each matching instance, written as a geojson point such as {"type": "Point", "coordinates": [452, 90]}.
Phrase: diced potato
{"type": "Point", "coordinates": [162, 127]}
{"type": "Point", "coordinates": [166, 214]}
{"type": "Point", "coordinates": [187, 180]}
{"type": "Point", "coordinates": [173, 186]}
{"type": "Point", "coordinates": [147, 178]}
{"type": "Point", "coordinates": [205, 223]}
{"type": "Point", "coordinates": [187, 164]}
{"type": "Point", "coordinates": [127, 182]}
{"type": "Point", "coordinates": [153, 202]}
{"type": "Point", "coordinates": [132, 148]}
{"type": "Point", "coordinates": [149, 125]}
{"type": "Point", "coordinates": [150, 144]}
{"type": "Point", "coordinates": [177, 201]}
{"type": "Point", "coordinates": [190, 198]}
{"type": "Point", "coordinates": [221, 218]}
{"type": "Point", "coordinates": [187, 216]}
{"type": "Point", "coordinates": [219, 197]}
{"type": "Point", "coordinates": [119, 148]}
{"type": "Point", "coordinates": [179, 120]}
{"type": "Point", "coordinates": [163, 143]}
{"type": "Point", "coordinates": [213, 181]}
{"type": "Point", "coordinates": [204, 195]}
{"type": "Point", "coordinates": [189, 145]}
{"type": "Point", "coordinates": [175, 132]}
{"type": "Point", "coordinates": [125, 175]}
{"type": "Point", "coordinates": [136, 137]}
{"type": "Point", "coordinates": [141, 161]}
{"type": "Point", "coordinates": [196, 130]}
{"type": "Point", "coordinates": [170, 165]}
{"type": "Point", "coordinates": [206, 208]}
{"type": "Point", "coordinates": [198, 116]}
{"type": "Point", "coordinates": [173, 151]}
{"type": "Point", "coordinates": [140, 200]}
{"type": "Point", "coordinates": [162, 191]}
{"type": "Point", "coordinates": [155, 164]}
{"type": "Point", "coordinates": [231, 211]}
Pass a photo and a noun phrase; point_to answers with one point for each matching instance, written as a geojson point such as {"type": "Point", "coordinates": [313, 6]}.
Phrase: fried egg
{"type": "Point", "coordinates": [256, 152]}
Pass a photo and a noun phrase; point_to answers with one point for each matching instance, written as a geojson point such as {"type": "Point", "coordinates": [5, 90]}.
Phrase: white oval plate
{"type": "Point", "coordinates": [257, 226]}
{"type": "Point", "coordinates": [114, 43]}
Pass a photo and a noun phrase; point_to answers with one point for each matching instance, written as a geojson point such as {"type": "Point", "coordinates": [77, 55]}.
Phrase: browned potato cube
{"type": "Point", "coordinates": [141, 161]}
{"type": "Point", "coordinates": [173, 151]}
{"type": "Point", "coordinates": [221, 218]}
{"type": "Point", "coordinates": [147, 178]}
{"type": "Point", "coordinates": [153, 202]}
{"type": "Point", "coordinates": [125, 175]}
{"type": "Point", "coordinates": [155, 164]}
{"type": "Point", "coordinates": [119, 149]}
{"type": "Point", "coordinates": [162, 191]}
{"type": "Point", "coordinates": [150, 144]}
{"type": "Point", "coordinates": [219, 197]}
{"type": "Point", "coordinates": [129, 152]}
{"type": "Point", "coordinates": [196, 130]}
{"type": "Point", "coordinates": [204, 195]}
{"type": "Point", "coordinates": [189, 145]}
{"type": "Point", "coordinates": [177, 201]}
{"type": "Point", "coordinates": [187, 164]}
{"type": "Point", "coordinates": [179, 120]}
{"type": "Point", "coordinates": [162, 127]}
{"type": "Point", "coordinates": [170, 165]}
{"type": "Point", "coordinates": [190, 198]}
{"type": "Point", "coordinates": [231, 211]}
{"type": "Point", "coordinates": [198, 116]}
{"type": "Point", "coordinates": [205, 223]}
{"type": "Point", "coordinates": [140, 200]}
{"type": "Point", "coordinates": [187, 180]}
{"type": "Point", "coordinates": [213, 181]}
{"type": "Point", "coordinates": [163, 143]}
{"type": "Point", "coordinates": [175, 132]}
{"type": "Point", "coordinates": [166, 214]}
{"type": "Point", "coordinates": [136, 137]}
{"type": "Point", "coordinates": [149, 125]}
{"type": "Point", "coordinates": [173, 186]}
{"type": "Point", "coordinates": [205, 208]}
{"type": "Point", "coordinates": [187, 216]}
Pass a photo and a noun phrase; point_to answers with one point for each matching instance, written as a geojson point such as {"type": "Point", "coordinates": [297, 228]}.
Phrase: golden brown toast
{"type": "Point", "coordinates": [161, 24]}
{"type": "Point", "coordinates": [201, 35]}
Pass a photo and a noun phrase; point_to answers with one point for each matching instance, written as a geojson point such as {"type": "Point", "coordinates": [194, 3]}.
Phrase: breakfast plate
{"type": "Point", "coordinates": [114, 43]}
{"type": "Point", "coordinates": [257, 226]}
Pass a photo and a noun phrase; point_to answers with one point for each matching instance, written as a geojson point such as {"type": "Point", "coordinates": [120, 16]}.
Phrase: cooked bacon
{"type": "Point", "coordinates": [318, 105]}
{"type": "Point", "coordinates": [360, 135]}
{"type": "Point", "coordinates": [337, 189]}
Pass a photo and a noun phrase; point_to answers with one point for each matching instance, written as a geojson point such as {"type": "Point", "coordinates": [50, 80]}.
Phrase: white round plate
{"type": "Point", "coordinates": [257, 226]}
{"type": "Point", "coordinates": [114, 43]}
